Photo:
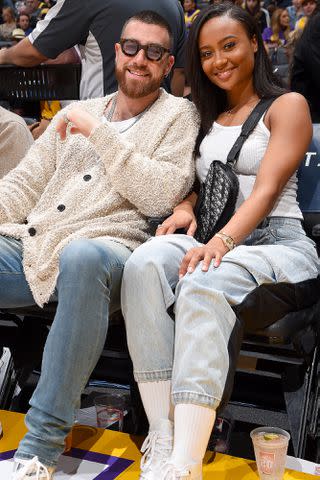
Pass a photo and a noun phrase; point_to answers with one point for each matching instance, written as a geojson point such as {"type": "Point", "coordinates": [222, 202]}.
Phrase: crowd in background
{"type": "Point", "coordinates": [19, 18]}
{"type": "Point", "coordinates": [281, 23]}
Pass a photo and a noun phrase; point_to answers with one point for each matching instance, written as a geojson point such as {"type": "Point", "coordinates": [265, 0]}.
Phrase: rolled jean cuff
{"type": "Point", "coordinates": [195, 398]}
{"type": "Point", "coordinates": [27, 456]}
{"type": "Point", "coordinates": [153, 376]}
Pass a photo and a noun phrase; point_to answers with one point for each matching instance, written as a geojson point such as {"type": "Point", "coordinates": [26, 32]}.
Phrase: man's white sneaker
{"type": "Point", "coordinates": [31, 470]}
{"type": "Point", "coordinates": [186, 472]}
{"type": "Point", "coordinates": [157, 449]}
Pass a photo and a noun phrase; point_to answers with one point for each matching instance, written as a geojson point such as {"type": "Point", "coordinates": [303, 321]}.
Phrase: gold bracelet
{"type": "Point", "coordinates": [227, 240]}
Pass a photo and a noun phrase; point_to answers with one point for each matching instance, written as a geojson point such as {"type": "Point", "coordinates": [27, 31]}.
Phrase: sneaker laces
{"type": "Point", "coordinates": [34, 467]}
{"type": "Point", "coordinates": [171, 472]}
{"type": "Point", "coordinates": [157, 446]}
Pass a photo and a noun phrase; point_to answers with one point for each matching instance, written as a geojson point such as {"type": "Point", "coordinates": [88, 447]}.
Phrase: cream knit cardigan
{"type": "Point", "coordinates": [102, 186]}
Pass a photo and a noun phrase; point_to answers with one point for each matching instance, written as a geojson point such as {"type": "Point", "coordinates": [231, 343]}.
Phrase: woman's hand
{"type": "Point", "coordinates": [182, 218]}
{"type": "Point", "coordinates": [80, 121]}
{"type": "Point", "coordinates": [215, 248]}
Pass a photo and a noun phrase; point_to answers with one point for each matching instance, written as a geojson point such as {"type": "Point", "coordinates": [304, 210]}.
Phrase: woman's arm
{"type": "Point", "coordinates": [289, 122]}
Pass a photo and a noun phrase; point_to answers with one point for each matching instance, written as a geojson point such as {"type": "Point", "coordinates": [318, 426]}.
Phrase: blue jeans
{"type": "Point", "coordinates": [192, 348]}
{"type": "Point", "coordinates": [87, 289]}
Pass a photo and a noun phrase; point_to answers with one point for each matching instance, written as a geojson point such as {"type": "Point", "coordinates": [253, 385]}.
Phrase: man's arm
{"type": "Point", "coordinates": [24, 54]}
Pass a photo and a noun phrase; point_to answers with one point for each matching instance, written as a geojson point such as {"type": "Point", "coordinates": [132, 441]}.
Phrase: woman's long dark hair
{"type": "Point", "coordinates": [210, 99]}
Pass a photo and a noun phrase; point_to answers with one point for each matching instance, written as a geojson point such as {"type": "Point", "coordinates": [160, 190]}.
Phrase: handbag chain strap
{"type": "Point", "coordinates": [247, 128]}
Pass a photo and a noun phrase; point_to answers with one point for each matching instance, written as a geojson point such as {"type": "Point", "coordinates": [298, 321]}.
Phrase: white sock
{"type": "Point", "coordinates": [156, 399]}
{"type": "Point", "coordinates": [192, 429]}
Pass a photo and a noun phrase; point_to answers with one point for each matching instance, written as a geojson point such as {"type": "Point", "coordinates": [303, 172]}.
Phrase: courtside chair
{"type": "Point", "coordinates": [278, 380]}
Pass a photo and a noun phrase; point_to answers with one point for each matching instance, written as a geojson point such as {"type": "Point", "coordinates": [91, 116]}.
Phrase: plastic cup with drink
{"type": "Point", "coordinates": [270, 447]}
{"type": "Point", "coordinates": [110, 409]}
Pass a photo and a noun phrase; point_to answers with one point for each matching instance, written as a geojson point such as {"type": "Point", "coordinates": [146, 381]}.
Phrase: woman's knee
{"type": "Point", "coordinates": [146, 262]}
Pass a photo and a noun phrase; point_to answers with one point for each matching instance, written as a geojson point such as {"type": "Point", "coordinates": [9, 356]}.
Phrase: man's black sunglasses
{"type": "Point", "coordinates": [153, 51]}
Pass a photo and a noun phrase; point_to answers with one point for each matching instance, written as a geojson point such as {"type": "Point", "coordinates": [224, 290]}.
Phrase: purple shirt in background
{"type": "Point", "coordinates": [267, 34]}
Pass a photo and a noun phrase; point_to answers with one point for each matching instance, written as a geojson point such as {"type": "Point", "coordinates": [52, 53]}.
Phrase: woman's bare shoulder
{"type": "Point", "coordinates": [289, 101]}
{"type": "Point", "coordinates": [289, 107]}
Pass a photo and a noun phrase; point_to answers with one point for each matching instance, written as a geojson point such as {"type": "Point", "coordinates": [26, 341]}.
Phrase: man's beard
{"type": "Point", "coordinates": [137, 89]}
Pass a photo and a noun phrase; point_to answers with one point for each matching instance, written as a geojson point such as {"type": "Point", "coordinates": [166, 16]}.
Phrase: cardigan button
{"type": "Point", "coordinates": [61, 207]}
{"type": "Point", "coordinates": [86, 178]}
{"type": "Point", "coordinates": [32, 231]}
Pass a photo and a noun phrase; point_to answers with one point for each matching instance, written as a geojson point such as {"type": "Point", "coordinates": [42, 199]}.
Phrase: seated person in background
{"type": "Point", "coordinates": [308, 8]}
{"type": "Point", "coordinates": [190, 12]}
{"type": "Point", "coordinates": [305, 72]}
{"type": "Point", "coordinates": [17, 35]}
{"type": "Point", "coordinates": [8, 25]}
{"type": "Point", "coordinates": [75, 208]}
{"type": "Point", "coordinates": [295, 12]}
{"type": "Point", "coordinates": [33, 8]}
{"type": "Point", "coordinates": [15, 140]}
{"type": "Point", "coordinates": [184, 366]}
{"type": "Point", "coordinates": [261, 16]}
{"type": "Point", "coordinates": [24, 23]}
{"type": "Point", "coordinates": [279, 32]}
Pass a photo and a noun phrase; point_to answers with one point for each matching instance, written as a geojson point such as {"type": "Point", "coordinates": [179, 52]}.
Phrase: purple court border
{"type": "Point", "coordinates": [116, 465]}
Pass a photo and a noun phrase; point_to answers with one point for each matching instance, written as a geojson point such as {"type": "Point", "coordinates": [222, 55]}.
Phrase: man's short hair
{"type": "Point", "coordinates": [151, 18]}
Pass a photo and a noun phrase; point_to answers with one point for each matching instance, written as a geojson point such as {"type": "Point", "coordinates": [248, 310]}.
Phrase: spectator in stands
{"type": "Point", "coordinates": [295, 12]}
{"type": "Point", "coordinates": [75, 208]}
{"type": "Point", "coordinates": [96, 27]}
{"type": "Point", "coordinates": [17, 35]}
{"type": "Point", "coordinates": [305, 71]}
{"type": "Point", "coordinates": [272, 5]}
{"type": "Point", "coordinates": [254, 9]}
{"type": "Point", "coordinates": [33, 8]}
{"type": "Point", "coordinates": [279, 32]}
{"type": "Point", "coordinates": [190, 12]}
{"type": "Point", "coordinates": [15, 140]}
{"type": "Point", "coordinates": [184, 366]}
{"type": "Point", "coordinates": [24, 23]}
{"type": "Point", "coordinates": [6, 3]}
{"type": "Point", "coordinates": [308, 7]}
{"type": "Point", "coordinates": [9, 23]}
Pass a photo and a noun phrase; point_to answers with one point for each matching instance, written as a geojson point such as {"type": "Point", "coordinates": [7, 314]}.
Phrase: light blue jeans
{"type": "Point", "coordinates": [88, 288]}
{"type": "Point", "coordinates": [192, 348]}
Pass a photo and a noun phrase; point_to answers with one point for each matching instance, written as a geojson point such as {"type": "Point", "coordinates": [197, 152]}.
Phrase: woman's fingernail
{"type": "Point", "coordinates": [190, 270]}
{"type": "Point", "coordinates": [180, 276]}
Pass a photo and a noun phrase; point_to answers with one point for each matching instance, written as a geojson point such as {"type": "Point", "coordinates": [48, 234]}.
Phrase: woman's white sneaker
{"type": "Point", "coordinates": [157, 449]}
{"type": "Point", "coordinates": [31, 470]}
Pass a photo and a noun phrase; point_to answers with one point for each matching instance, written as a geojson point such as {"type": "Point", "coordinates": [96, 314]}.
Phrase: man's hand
{"type": "Point", "coordinates": [215, 248]}
{"type": "Point", "coordinates": [79, 120]}
{"type": "Point", "coordinates": [181, 218]}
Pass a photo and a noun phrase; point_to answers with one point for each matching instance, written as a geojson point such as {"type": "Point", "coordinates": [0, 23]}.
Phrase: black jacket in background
{"type": "Point", "coordinates": [305, 76]}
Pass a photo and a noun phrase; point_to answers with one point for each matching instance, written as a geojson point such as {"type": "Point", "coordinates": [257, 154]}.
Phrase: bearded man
{"type": "Point", "coordinates": [74, 209]}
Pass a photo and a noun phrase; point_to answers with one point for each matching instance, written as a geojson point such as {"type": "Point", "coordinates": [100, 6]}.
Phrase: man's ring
{"type": "Point", "coordinates": [66, 119]}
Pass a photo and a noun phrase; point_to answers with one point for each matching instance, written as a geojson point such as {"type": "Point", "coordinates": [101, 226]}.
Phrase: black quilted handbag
{"type": "Point", "coordinates": [219, 192]}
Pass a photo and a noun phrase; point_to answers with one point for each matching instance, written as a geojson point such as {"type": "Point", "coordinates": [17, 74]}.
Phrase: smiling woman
{"type": "Point", "coordinates": [184, 368]}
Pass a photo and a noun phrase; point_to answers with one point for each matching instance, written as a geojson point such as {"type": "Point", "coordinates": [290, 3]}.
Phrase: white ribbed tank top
{"type": "Point", "coordinates": [216, 146]}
